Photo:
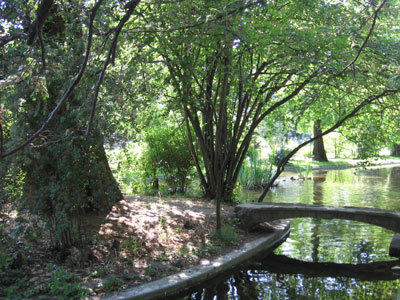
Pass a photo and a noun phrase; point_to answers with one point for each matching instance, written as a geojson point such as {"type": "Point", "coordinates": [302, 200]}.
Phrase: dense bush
{"type": "Point", "coordinates": [167, 154]}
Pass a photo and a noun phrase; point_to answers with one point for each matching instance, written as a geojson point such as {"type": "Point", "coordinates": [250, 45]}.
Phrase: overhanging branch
{"type": "Point", "coordinates": [67, 93]}
{"type": "Point", "coordinates": [281, 165]}
{"type": "Point", "coordinates": [371, 29]}
{"type": "Point", "coordinates": [110, 57]}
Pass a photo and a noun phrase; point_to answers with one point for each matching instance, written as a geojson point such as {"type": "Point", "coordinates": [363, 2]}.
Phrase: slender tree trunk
{"type": "Point", "coordinates": [319, 153]}
{"type": "Point", "coordinates": [395, 150]}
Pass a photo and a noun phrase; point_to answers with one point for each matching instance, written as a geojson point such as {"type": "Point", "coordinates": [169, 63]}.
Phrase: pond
{"type": "Point", "coordinates": [322, 259]}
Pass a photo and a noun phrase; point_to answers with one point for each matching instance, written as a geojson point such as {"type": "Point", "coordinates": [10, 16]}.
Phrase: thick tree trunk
{"type": "Point", "coordinates": [319, 153]}
{"type": "Point", "coordinates": [66, 172]}
{"type": "Point", "coordinates": [67, 181]}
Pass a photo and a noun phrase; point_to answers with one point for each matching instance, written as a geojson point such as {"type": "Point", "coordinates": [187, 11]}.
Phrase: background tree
{"type": "Point", "coordinates": [319, 152]}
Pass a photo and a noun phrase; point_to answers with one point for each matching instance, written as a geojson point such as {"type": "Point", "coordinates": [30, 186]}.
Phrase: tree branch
{"type": "Point", "coordinates": [281, 165]}
{"type": "Point", "coordinates": [19, 12]}
{"type": "Point", "coordinates": [1, 139]}
{"type": "Point", "coordinates": [371, 29]}
{"type": "Point", "coordinates": [43, 54]}
{"type": "Point", "coordinates": [68, 92]}
{"type": "Point", "coordinates": [198, 24]}
{"type": "Point", "coordinates": [110, 57]}
{"type": "Point", "coordinates": [7, 39]}
{"type": "Point", "coordinates": [41, 15]}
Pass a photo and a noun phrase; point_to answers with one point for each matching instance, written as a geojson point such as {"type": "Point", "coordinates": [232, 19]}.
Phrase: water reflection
{"type": "Point", "coordinates": [323, 259]}
{"type": "Point", "coordinates": [374, 271]}
{"type": "Point", "coordinates": [282, 281]}
{"type": "Point", "coordinates": [317, 200]}
{"type": "Point", "coordinates": [379, 188]}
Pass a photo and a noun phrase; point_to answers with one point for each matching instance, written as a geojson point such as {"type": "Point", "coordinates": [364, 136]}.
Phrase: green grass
{"type": "Point", "coordinates": [113, 283]}
{"type": "Point", "coordinates": [304, 164]}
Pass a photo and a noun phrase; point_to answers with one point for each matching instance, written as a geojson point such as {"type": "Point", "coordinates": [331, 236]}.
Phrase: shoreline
{"type": "Point", "coordinates": [379, 164]}
{"type": "Point", "coordinates": [177, 283]}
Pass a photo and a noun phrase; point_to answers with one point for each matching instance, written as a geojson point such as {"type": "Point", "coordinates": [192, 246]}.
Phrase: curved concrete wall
{"type": "Point", "coordinates": [191, 277]}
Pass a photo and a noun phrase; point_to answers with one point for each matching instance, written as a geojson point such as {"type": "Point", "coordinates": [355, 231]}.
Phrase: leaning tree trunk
{"type": "Point", "coordinates": [319, 153]}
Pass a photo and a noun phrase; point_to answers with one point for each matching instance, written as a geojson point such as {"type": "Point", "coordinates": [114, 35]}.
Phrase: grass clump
{"type": "Point", "coordinates": [227, 235]}
{"type": "Point", "coordinates": [113, 283]}
{"type": "Point", "coordinates": [21, 289]}
{"type": "Point", "coordinates": [100, 273]}
{"type": "Point", "coordinates": [65, 285]}
{"type": "Point", "coordinates": [134, 246]}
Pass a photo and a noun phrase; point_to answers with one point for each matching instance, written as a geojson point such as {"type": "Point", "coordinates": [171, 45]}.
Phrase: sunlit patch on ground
{"type": "Point", "coordinates": [141, 239]}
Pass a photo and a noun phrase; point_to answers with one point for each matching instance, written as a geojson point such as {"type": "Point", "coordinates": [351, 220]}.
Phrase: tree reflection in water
{"type": "Point", "coordinates": [281, 277]}
{"type": "Point", "coordinates": [342, 259]}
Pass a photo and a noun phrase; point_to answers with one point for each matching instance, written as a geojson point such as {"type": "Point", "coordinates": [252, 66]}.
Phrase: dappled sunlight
{"type": "Point", "coordinates": [216, 264]}
{"type": "Point", "coordinates": [164, 234]}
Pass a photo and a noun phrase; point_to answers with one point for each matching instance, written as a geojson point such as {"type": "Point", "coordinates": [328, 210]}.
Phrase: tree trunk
{"type": "Point", "coordinates": [395, 150]}
{"type": "Point", "coordinates": [66, 172]}
{"type": "Point", "coordinates": [65, 182]}
{"type": "Point", "coordinates": [319, 153]}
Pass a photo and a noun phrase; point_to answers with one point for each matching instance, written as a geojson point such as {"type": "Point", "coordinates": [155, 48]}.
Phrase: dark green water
{"type": "Point", "coordinates": [322, 259]}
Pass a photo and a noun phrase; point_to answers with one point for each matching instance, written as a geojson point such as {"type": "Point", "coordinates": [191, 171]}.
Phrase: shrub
{"type": "Point", "coordinates": [100, 273]}
{"type": "Point", "coordinates": [167, 153]}
{"type": "Point", "coordinates": [21, 289]}
{"type": "Point", "coordinates": [277, 157]}
{"type": "Point", "coordinates": [61, 191]}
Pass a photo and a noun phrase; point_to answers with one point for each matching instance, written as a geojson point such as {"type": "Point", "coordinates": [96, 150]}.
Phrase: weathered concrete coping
{"type": "Point", "coordinates": [251, 214]}
{"type": "Point", "coordinates": [394, 248]}
{"type": "Point", "coordinates": [193, 276]}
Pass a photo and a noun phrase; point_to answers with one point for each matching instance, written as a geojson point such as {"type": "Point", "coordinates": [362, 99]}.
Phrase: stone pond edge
{"type": "Point", "coordinates": [190, 277]}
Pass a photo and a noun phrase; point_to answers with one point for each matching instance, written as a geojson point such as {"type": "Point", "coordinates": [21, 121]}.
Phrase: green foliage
{"type": "Point", "coordinates": [113, 283]}
{"type": "Point", "coordinates": [155, 269]}
{"type": "Point", "coordinates": [63, 174]}
{"type": "Point", "coordinates": [278, 156]}
{"type": "Point", "coordinates": [100, 273]}
{"type": "Point", "coordinates": [184, 251]}
{"type": "Point", "coordinates": [60, 190]}
{"type": "Point", "coordinates": [125, 165]}
{"type": "Point", "coordinates": [227, 235]}
{"type": "Point", "coordinates": [5, 259]}
{"type": "Point", "coordinates": [66, 285]}
{"type": "Point", "coordinates": [152, 270]}
{"type": "Point", "coordinates": [5, 253]}
{"type": "Point", "coordinates": [232, 65]}
{"type": "Point", "coordinates": [10, 255]}
{"type": "Point", "coordinates": [304, 173]}
{"type": "Point", "coordinates": [167, 153]}
{"type": "Point", "coordinates": [255, 172]}
{"type": "Point", "coordinates": [134, 246]}
{"type": "Point", "coordinates": [207, 249]}
{"type": "Point", "coordinates": [21, 289]}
